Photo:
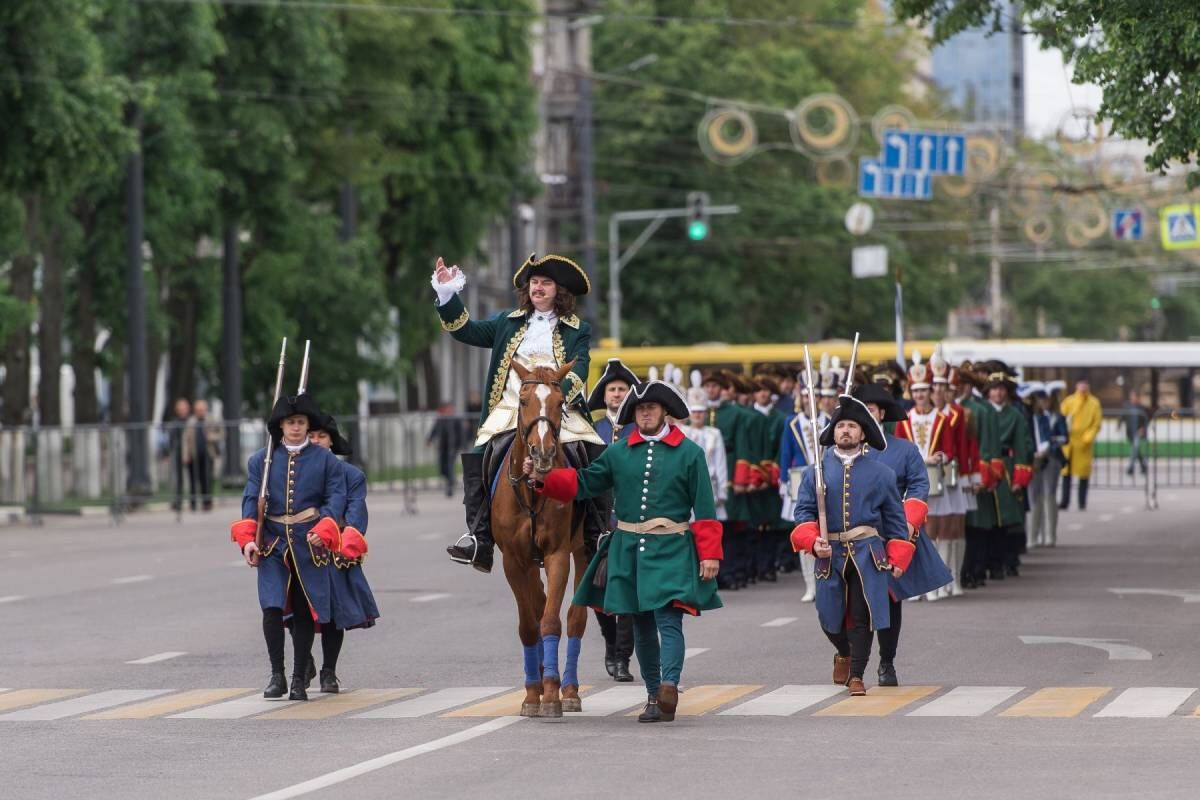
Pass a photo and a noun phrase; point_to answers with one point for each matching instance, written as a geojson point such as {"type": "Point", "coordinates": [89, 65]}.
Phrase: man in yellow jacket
{"type": "Point", "coordinates": [1082, 410]}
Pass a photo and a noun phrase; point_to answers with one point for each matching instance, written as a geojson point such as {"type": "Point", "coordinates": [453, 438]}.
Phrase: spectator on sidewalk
{"type": "Point", "coordinates": [1049, 435]}
{"type": "Point", "coordinates": [448, 436]}
{"type": "Point", "coordinates": [175, 426]}
{"type": "Point", "coordinates": [1082, 410]}
{"type": "Point", "coordinates": [1137, 425]}
{"type": "Point", "coordinates": [201, 448]}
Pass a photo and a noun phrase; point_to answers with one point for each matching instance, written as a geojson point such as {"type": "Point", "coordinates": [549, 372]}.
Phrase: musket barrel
{"type": "Point", "coordinates": [304, 369]}
{"type": "Point", "coordinates": [853, 364]}
{"type": "Point", "coordinates": [266, 470]}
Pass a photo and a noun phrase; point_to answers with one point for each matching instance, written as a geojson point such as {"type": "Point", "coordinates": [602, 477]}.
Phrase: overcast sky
{"type": "Point", "coordinates": [1049, 94]}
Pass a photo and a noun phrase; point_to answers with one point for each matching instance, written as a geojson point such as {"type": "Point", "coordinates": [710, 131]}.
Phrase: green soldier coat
{"type": "Point", "coordinates": [1004, 449]}
{"type": "Point", "coordinates": [503, 332]}
{"type": "Point", "coordinates": [734, 424]}
{"type": "Point", "coordinates": [647, 571]}
{"type": "Point", "coordinates": [765, 502]}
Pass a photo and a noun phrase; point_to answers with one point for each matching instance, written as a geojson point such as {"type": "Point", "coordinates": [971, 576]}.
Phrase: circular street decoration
{"type": "Point", "coordinates": [1079, 132]}
{"type": "Point", "coordinates": [1125, 175]}
{"type": "Point", "coordinates": [1039, 229]}
{"type": "Point", "coordinates": [983, 157]}
{"type": "Point", "coordinates": [1076, 236]}
{"type": "Point", "coordinates": [1031, 194]}
{"type": "Point", "coordinates": [893, 117]}
{"type": "Point", "coordinates": [824, 126]}
{"type": "Point", "coordinates": [956, 186]}
{"type": "Point", "coordinates": [1089, 215]}
{"type": "Point", "coordinates": [727, 135]}
{"type": "Point", "coordinates": [835, 172]}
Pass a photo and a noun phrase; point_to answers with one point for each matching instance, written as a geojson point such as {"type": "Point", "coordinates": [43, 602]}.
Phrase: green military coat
{"type": "Point", "coordinates": [1004, 438]}
{"type": "Point", "coordinates": [648, 571]}
{"type": "Point", "coordinates": [503, 332]}
{"type": "Point", "coordinates": [737, 431]}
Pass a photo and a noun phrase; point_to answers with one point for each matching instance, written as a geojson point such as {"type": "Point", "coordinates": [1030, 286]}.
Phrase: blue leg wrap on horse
{"type": "Point", "coordinates": [550, 657]}
{"type": "Point", "coordinates": [533, 662]}
{"type": "Point", "coordinates": [571, 671]}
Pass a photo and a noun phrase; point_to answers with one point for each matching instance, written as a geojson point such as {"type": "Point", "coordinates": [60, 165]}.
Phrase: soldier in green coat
{"type": "Point", "coordinates": [542, 331]}
{"type": "Point", "coordinates": [735, 426]}
{"type": "Point", "coordinates": [656, 565]}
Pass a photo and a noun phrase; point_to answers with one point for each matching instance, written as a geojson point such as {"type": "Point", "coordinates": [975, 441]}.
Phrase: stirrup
{"type": "Point", "coordinates": [466, 537]}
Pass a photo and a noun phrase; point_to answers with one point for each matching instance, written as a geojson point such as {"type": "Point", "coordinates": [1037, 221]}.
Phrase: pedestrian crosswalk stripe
{"type": "Point", "coordinates": [173, 703]}
{"type": "Point", "coordinates": [506, 705]}
{"type": "Point", "coordinates": [779, 622]}
{"type": "Point", "coordinates": [29, 697]}
{"type": "Point", "coordinates": [880, 702]}
{"type": "Point", "coordinates": [697, 700]}
{"type": "Point", "coordinates": [1148, 701]}
{"type": "Point", "coordinates": [785, 701]}
{"type": "Point", "coordinates": [239, 708]}
{"type": "Point", "coordinates": [81, 705]}
{"type": "Point", "coordinates": [614, 700]}
{"type": "Point", "coordinates": [342, 703]}
{"type": "Point", "coordinates": [966, 701]}
{"type": "Point", "coordinates": [441, 700]}
{"type": "Point", "coordinates": [1057, 701]}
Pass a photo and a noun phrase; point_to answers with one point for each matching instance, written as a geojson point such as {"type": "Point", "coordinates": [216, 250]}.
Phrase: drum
{"type": "Point", "coordinates": [936, 484]}
{"type": "Point", "coordinates": [952, 474]}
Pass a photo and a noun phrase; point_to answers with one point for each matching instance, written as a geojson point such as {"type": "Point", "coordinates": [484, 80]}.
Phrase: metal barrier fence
{"type": "Point", "coordinates": [1168, 456]}
{"type": "Point", "coordinates": [86, 469]}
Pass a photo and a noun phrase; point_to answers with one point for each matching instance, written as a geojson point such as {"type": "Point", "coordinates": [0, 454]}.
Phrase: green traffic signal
{"type": "Point", "coordinates": [1155, 303]}
{"type": "Point", "coordinates": [697, 230]}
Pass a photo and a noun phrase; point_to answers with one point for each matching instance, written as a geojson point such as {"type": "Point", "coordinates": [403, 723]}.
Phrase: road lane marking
{"type": "Point", "coordinates": [1183, 594]}
{"type": "Point", "coordinates": [132, 579]}
{"type": "Point", "coordinates": [180, 701]}
{"type": "Point", "coordinates": [779, 622]}
{"type": "Point", "coordinates": [1075, 526]}
{"type": "Point", "coordinates": [1116, 649]}
{"type": "Point", "coordinates": [692, 652]}
{"type": "Point", "coordinates": [346, 773]}
{"type": "Point", "coordinates": [81, 705]}
{"type": "Point", "coordinates": [240, 708]}
{"type": "Point", "coordinates": [341, 703]}
{"type": "Point", "coordinates": [784, 701]}
{"type": "Point", "coordinates": [613, 701]}
{"type": "Point", "coordinates": [441, 700]}
{"type": "Point", "coordinates": [157, 657]}
{"type": "Point", "coordinates": [506, 705]}
{"type": "Point", "coordinates": [1127, 509]}
{"type": "Point", "coordinates": [11, 598]}
{"type": "Point", "coordinates": [428, 598]}
{"type": "Point", "coordinates": [1059, 701]}
{"type": "Point", "coordinates": [28, 697]}
{"type": "Point", "coordinates": [879, 702]}
{"type": "Point", "coordinates": [966, 701]}
{"type": "Point", "coordinates": [1105, 517]}
{"type": "Point", "coordinates": [1147, 701]}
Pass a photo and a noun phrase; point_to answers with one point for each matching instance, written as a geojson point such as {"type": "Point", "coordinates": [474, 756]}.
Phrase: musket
{"type": "Point", "coordinates": [260, 515]}
{"type": "Point", "coordinates": [304, 370]}
{"type": "Point", "coordinates": [853, 363]}
{"type": "Point", "coordinates": [819, 471]}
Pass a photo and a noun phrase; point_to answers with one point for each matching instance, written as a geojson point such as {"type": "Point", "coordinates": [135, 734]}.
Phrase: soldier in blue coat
{"type": "Point", "coordinates": [306, 494]}
{"type": "Point", "coordinates": [865, 544]}
{"type": "Point", "coordinates": [927, 572]}
{"type": "Point", "coordinates": [352, 594]}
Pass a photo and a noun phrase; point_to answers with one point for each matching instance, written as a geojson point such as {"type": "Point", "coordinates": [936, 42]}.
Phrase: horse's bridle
{"type": "Point", "coordinates": [555, 428]}
{"type": "Point", "coordinates": [533, 507]}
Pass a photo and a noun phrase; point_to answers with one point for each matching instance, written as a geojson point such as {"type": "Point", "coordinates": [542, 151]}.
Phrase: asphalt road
{"type": "Point", "coordinates": [982, 713]}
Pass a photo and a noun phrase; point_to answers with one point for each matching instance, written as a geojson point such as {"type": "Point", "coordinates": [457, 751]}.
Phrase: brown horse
{"type": "Point", "coordinates": [529, 529]}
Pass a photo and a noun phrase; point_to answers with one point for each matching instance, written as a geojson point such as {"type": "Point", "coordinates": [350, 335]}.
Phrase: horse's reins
{"type": "Point", "coordinates": [534, 507]}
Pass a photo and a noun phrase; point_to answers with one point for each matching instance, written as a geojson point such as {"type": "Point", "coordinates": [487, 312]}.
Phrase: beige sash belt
{"type": "Point", "coordinates": [655, 525]}
{"type": "Point", "coordinates": [854, 534]}
{"type": "Point", "coordinates": [307, 515]}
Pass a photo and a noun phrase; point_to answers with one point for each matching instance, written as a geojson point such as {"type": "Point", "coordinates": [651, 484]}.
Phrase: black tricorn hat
{"type": "Point", "coordinates": [560, 269]}
{"type": "Point", "coordinates": [878, 394]}
{"type": "Point", "coordinates": [326, 422]}
{"type": "Point", "coordinates": [853, 409]}
{"type": "Point", "coordinates": [997, 373]}
{"type": "Point", "coordinates": [614, 370]}
{"type": "Point", "coordinates": [655, 391]}
{"type": "Point", "coordinates": [289, 407]}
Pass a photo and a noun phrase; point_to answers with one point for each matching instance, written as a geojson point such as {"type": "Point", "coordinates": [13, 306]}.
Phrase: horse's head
{"type": "Point", "coordinates": [540, 416]}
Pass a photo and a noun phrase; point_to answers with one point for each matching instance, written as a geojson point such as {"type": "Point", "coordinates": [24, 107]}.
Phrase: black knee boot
{"type": "Point", "coordinates": [1083, 487]}
{"type": "Point", "coordinates": [476, 545]}
{"type": "Point", "coordinates": [1065, 503]}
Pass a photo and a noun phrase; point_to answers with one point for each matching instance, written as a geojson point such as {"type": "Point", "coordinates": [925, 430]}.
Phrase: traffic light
{"type": "Point", "coordinates": [1155, 303]}
{"type": "Point", "coordinates": [697, 204]}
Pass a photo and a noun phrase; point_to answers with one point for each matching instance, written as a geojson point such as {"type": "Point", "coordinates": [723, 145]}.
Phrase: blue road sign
{"type": "Point", "coordinates": [1127, 224]}
{"type": "Point", "coordinates": [876, 180]}
{"type": "Point", "coordinates": [925, 151]}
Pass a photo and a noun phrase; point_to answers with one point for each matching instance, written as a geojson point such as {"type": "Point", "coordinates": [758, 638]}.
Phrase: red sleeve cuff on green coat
{"type": "Point", "coordinates": [561, 484]}
{"type": "Point", "coordinates": [1022, 475]}
{"type": "Point", "coordinates": [707, 533]}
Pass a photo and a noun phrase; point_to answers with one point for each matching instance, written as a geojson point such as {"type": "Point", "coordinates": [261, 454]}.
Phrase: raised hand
{"type": "Point", "coordinates": [443, 273]}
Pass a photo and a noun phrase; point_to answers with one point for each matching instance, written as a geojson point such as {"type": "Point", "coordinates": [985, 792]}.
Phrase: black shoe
{"type": "Point", "coordinates": [298, 691]}
{"type": "Point", "coordinates": [623, 675]}
{"type": "Point", "coordinates": [475, 546]}
{"type": "Point", "coordinates": [887, 674]}
{"type": "Point", "coordinates": [651, 712]}
{"type": "Point", "coordinates": [276, 687]}
{"type": "Point", "coordinates": [610, 663]}
{"type": "Point", "coordinates": [468, 550]}
{"type": "Point", "coordinates": [329, 682]}
{"type": "Point", "coordinates": [996, 574]}
{"type": "Point", "coordinates": [310, 673]}
{"type": "Point", "coordinates": [770, 577]}
{"type": "Point", "coordinates": [1013, 571]}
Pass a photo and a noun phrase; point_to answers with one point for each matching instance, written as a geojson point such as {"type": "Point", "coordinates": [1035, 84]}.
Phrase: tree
{"type": "Point", "coordinates": [1145, 57]}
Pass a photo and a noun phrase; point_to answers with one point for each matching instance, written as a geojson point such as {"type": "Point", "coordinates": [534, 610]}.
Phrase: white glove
{"type": "Point", "coordinates": [447, 290]}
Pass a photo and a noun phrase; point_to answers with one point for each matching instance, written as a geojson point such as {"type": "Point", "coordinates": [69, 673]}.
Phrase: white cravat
{"type": "Point", "coordinates": [296, 448]}
{"type": "Point", "coordinates": [766, 410]}
{"type": "Point", "coordinates": [539, 336]}
{"type": "Point", "coordinates": [658, 436]}
{"type": "Point", "coordinates": [847, 460]}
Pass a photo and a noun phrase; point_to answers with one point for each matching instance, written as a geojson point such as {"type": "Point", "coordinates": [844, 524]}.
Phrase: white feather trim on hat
{"type": "Point", "coordinates": [695, 378]}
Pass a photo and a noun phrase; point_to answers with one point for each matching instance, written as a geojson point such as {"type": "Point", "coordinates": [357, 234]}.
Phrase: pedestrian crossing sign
{"type": "Point", "coordinates": [1179, 230]}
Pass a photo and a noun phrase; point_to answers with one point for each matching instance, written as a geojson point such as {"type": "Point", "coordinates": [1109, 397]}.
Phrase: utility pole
{"type": "Point", "coordinates": [587, 192]}
{"type": "Point", "coordinates": [135, 309]}
{"type": "Point", "coordinates": [995, 286]}
{"type": "Point", "coordinates": [231, 348]}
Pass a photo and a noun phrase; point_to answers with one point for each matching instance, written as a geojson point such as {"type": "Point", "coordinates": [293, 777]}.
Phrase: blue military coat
{"type": "Point", "coordinates": [312, 477]}
{"type": "Point", "coordinates": [604, 429]}
{"type": "Point", "coordinates": [353, 599]}
{"type": "Point", "coordinates": [927, 571]}
{"type": "Point", "coordinates": [863, 493]}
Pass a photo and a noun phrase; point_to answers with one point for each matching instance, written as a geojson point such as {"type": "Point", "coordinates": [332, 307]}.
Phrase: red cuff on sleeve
{"type": "Point", "coordinates": [707, 533]}
{"type": "Point", "coordinates": [741, 473]}
{"type": "Point", "coordinates": [900, 552]}
{"type": "Point", "coordinates": [986, 479]}
{"type": "Point", "coordinates": [354, 544]}
{"type": "Point", "coordinates": [242, 532]}
{"type": "Point", "coordinates": [997, 467]}
{"type": "Point", "coordinates": [804, 535]}
{"type": "Point", "coordinates": [915, 511]}
{"type": "Point", "coordinates": [1022, 475]}
{"type": "Point", "coordinates": [772, 472]}
{"type": "Point", "coordinates": [561, 484]}
{"type": "Point", "coordinates": [327, 529]}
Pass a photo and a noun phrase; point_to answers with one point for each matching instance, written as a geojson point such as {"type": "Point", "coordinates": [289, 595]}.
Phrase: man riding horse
{"type": "Point", "coordinates": [543, 331]}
